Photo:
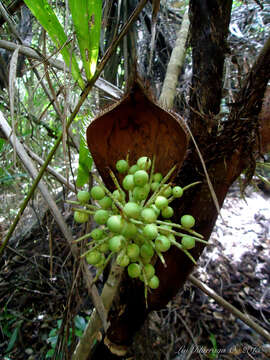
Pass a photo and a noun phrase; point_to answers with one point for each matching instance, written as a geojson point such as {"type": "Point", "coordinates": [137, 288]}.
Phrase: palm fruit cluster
{"type": "Point", "coordinates": [133, 221]}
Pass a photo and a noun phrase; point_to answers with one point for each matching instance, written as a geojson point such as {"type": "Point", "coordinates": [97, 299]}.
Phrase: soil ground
{"type": "Point", "coordinates": [39, 285]}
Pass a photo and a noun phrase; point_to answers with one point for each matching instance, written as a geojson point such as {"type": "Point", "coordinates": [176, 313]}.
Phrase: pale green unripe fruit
{"type": "Point", "coordinates": [122, 166]}
{"type": "Point", "coordinates": [162, 229]}
{"type": "Point", "coordinates": [93, 257]}
{"type": "Point", "coordinates": [129, 230]}
{"type": "Point", "coordinates": [97, 193]}
{"type": "Point", "coordinates": [150, 231]}
{"type": "Point", "coordinates": [115, 223]}
{"type": "Point", "coordinates": [101, 216]}
{"type": "Point", "coordinates": [162, 243]}
{"type": "Point", "coordinates": [122, 260]}
{"type": "Point", "coordinates": [133, 252]}
{"type": "Point", "coordinates": [128, 182]}
{"type": "Point", "coordinates": [167, 191]}
{"type": "Point", "coordinates": [97, 234]}
{"type": "Point", "coordinates": [154, 282]}
{"type": "Point", "coordinates": [134, 270]}
{"type": "Point", "coordinates": [132, 210]}
{"type": "Point", "coordinates": [161, 202]}
{"type": "Point", "coordinates": [105, 203]}
{"type": "Point", "coordinates": [144, 163]}
{"type": "Point", "coordinates": [119, 196]}
{"type": "Point", "coordinates": [133, 169]}
{"type": "Point", "coordinates": [149, 271]}
{"type": "Point", "coordinates": [187, 221]}
{"type": "Point", "coordinates": [80, 217]}
{"type": "Point", "coordinates": [103, 248]}
{"type": "Point", "coordinates": [157, 177]}
{"type": "Point", "coordinates": [154, 186]}
{"type": "Point", "coordinates": [116, 243]}
{"type": "Point", "coordinates": [167, 212]}
{"type": "Point", "coordinates": [188, 242]}
{"type": "Point", "coordinates": [146, 251]}
{"type": "Point", "coordinates": [141, 178]}
{"type": "Point", "coordinates": [177, 191]}
{"type": "Point", "coordinates": [141, 193]}
{"type": "Point", "coordinates": [83, 197]}
{"type": "Point", "coordinates": [148, 215]}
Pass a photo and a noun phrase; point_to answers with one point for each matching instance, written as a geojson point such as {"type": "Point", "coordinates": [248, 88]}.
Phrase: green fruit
{"type": "Point", "coordinates": [138, 239]}
{"type": "Point", "coordinates": [141, 178]}
{"type": "Point", "coordinates": [128, 182]}
{"type": "Point", "coordinates": [188, 242]}
{"type": "Point", "coordinates": [132, 210]}
{"type": "Point", "coordinates": [116, 243]}
{"type": "Point", "coordinates": [161, 202]}
{"type": "Point", "coordinates": [83, 196]}
{"type": "Point", "coordinates": [141, 193]}
{"type": "Point", "coordinates": [105, 203]}
{"type": "Point", "coordinates": [146, 251]}
{"type": "Point", "coordinates": [153, 282]}
{"type": "Point", "coordinates": [93, 257]}
{"type": "Point", "coordinates": [101, 216]}
{"type": "Point", "coordinates": [122, 260]}
{"type": "Point", "coordinates": [119, 196]}
{"type": "Point", "coordinates": [144, 163]}
{"type": "Point", "coordinates": [97, 193]}
{"type": "Point", "coordinates": [115, 224]}
{"type": "Point", "coordinates": [187, 221]}
{"type": "Point", "coordinates": [134, 270]}
{"type": "Point", "coordinates": [162, 243]}
{"type": "Point", "coordinates": [157, 211]}
{"type": "Point", "coordinates": [80, 217]}
{"type": "Point", "coordinates": [103, 248]}
{"type": "Point", "coordinates": [163, 229]}
{"type": "Point", "coordinates": [167, 191]}
{"type": "Point", "coordinates": [148, 215]}
{"type": "Point", "coordinates": [154, 186]}
{"type": "Point", "coordinates": [133, 169]}
{"type": "Point", "coordinates": [101, 262]}
{"type": "Point", "coordinates": [122, 166]}
{"type": "Point", "coordinates": [177, 192]}
{"type": "Point", "coordinates": [167, 212]}
{"type": "Point", "coordinates": [129, 230]}
{"type": "Point", "coordinates": [133, 252]}
{"type": "Point", "coordinates": [157, 177]}
{"type": "Point", "coordinates": [96, 234]}
{"type": "Point", "coordinates": [149, 271]}
{"type": "Point", "coordinates": [150, 231]}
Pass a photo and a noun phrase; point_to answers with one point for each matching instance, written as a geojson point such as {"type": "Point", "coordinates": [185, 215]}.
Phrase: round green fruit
{"type": "Point", "coordinates": [116, 243]}
{"type": "Point", "coordinates": [161, 202]}
{"type": "Point", "coordinates": [167, 212]}
{"type": "Point", "coordinates": [148, 215]}
{"type": "Point", "coordinates": [105, 203]}
{"type": "Point", "coordinates": [149, 271]}
{"type": "Point", "coordinates": [80, 217]}
{"type": "Point", "coordinates": [103, 248]}
{"type": "Point", "coordinates": [177, 192]}
{"type": "Point", "coordinates": [144, 163]}
{"type": "Point", "coordinates": [157, 177]}
{"type": "Point", "coordinates": [128, 182]}
{"type": "Point", "coordinates": [122, 166]}
{"type": "Point", "coordinates": [187, 221]}
{"type": "Point", "coordinates": [133, 169]}
{"type": "Point", "coordinates": [97, 193]}
{"type": "Point", "coordinates": [129, 230]}
{"type": "Point", "coordinates": [115, 224]}
{"type": "Point", "coordinates": [154, 186]}
{"type": "Point", "coordinates": [133, 251]}
{"type": "Point", "coordinates": [101, 216]}
{"type": "Point", "coordinates": [141, 178]}
{"type": "Point", "coordinates": [157, 211]}
{"type": "Point", "coordinates": [188, 242]}
{"type": "Point", "coordinates": [141, 193]}
{"type": "Point", "coordinates": [122, 260]}
{"type": "Point", "coordinates": [134, 270]}
{"type": "Point", "coordinates": [119, 196]}
{"type": "Point", "coordinates": [153, 282]}
{"type": "Point", "coordinates": [150, 231]}
{"type": "Point", "coordinates": [163, 229]}
{"type": "Point", "coordinates": [83, 197]}
{"type": "Point", "coordinates": [167, 191]}
{"type": "Point", "coordinates": [162, 243]}
{"type": "Point", "coordinates": [146, 251]}
{"type": "Point", "coordinates": [93, 257]}
{"type": "Point", "coordinates": [132, 210]}
{"type": "Point", "coordinates": [96, 234]}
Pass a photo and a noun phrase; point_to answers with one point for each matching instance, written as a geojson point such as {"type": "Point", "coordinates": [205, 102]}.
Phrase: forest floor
{"type": "Point", "coordinates": [36, 301]}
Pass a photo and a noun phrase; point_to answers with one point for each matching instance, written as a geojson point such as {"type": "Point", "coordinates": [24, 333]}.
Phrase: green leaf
{"type": "Point", "coordinates": [47, 18]}
{"type": "Point", "coordinates": [50, 354]}
{"type": "Point", "coordinates": [2, 142]}
{"type": "Point", "coordinates": [214, 352]}
{"type": "Point", "coordinates": [13, 337]}
{"type": "Point", "coordinates": [85, 163]}
{"type": "Point", "coordinates": [86, 16]}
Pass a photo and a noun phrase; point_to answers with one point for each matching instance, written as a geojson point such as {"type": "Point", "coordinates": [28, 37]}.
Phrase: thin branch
{"type": "Point", "coordinates": [210, 292]}
{"type": "Point", "coordinates": [175, 65]}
